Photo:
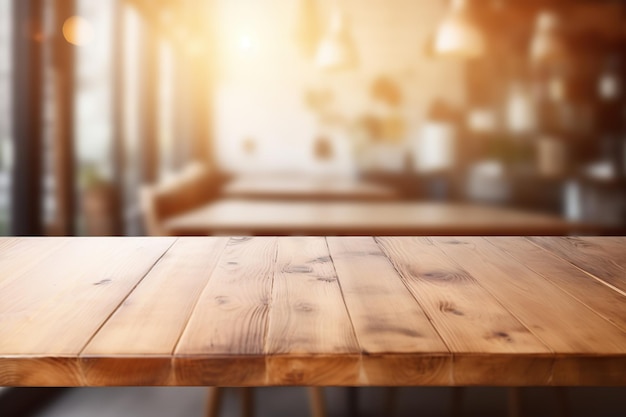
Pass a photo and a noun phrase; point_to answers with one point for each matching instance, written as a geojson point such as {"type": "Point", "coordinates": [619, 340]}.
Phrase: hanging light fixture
{"type": "Point", "coordinates": [547, 45]}
{"type": "Point", "coordinates": [308, 28]}
{"type": "Point", "coordinates": [610, 84]}
{"type": "Point", "coordinates": [337, 50]}
{"type": "Point", "coordinates": [457, 34]}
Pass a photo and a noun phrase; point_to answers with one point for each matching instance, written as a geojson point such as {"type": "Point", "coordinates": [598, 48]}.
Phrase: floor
{"type": "Point", "coordinates": [292, 402]}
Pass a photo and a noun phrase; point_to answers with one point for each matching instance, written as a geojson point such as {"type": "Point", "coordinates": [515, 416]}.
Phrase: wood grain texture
{"type": "Point", "coordinates": [308, 315]}
{"type": "Point", "coordinates": [474, 325]}
{"type": "Point", "coordinates": [152, 318]}
{"type": "Point", "coordinates": [387, 319]}
{"type": "Point", "coordinates": [591, 370]}
{"type": "Point", "coordinates": [468, 318]}
{"type": "Point", "coordinates": [77, 289]}
{"type": "Point", "coordinates": [231, 316]}
{"type": "Point", "coordinates": [150, 321]}
{"type": "Point", "coordinates": [602, 257]}
{"type": "Point", "coordinates": [538, 303]}
{"type": "Point", "coordinates": [40, 371]}
{"type": "Point", "coordinates": [53, 309]}
{"type": "Point", "coordinates": [135, 370]}
{"type": "Point", "coordinates": [567, 326]}
{"type": "Point", "coordinates": [311, 311]}
{"type": "Point", "coordinates": [602, 299]}
{"type": "Point", "coordinates": [18, 255]}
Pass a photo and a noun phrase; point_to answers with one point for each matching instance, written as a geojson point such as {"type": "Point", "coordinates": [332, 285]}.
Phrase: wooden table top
{"type": "Point", "coordinates": [270, 217]}
{"type": "Point", "coordinates": [432, 311]}
{"type": "Point", "coordinates": [306, 187]}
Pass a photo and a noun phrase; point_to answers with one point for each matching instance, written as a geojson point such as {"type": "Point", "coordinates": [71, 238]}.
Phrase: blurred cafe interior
{"type": "Point", "coordinates": [117, 115]}
{"type": "Point", "coordinates": [320, 117]}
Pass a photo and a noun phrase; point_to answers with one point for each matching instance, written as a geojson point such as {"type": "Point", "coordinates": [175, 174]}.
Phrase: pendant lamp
{"type": "Point", "coordinates": [547, 45]}
{"type": "Point", "coordinates": [337, 50]}
{"type": "Point", "coordinates": [457, 35]}
{"type": "Point", "coordinates": [308, 29]}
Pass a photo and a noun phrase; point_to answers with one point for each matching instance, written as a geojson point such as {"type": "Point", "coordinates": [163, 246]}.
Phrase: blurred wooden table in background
{"type": "Point", "coordinates": [273, 217]}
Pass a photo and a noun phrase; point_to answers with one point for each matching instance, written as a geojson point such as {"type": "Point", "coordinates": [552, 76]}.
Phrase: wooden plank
{"type": "Point", "coordinates": [400, 346]}
{"type": "Point", "coordinates": [604, 300]}
{"type": "Point", "coordinates": [40, 371]}
{"type": "Point", "coordinates": [467, 317]}
{"type": "Point", "coordinates": [151, 320]}
{"type": "Point", "coordinates": [473, 324]}
{"type": "Point", "coordinates": [308, 321]}
{"type": "Point", "coordinates": [54, 309]}
{"type": "Point", "coordinates": [567, 326]}
{"type": "Point", "coordinates": [590, 370]}
{"type": "Point", "coordinates": [60, 293]}
{"type": "Point", "coordinates": [18, 255]}
{"type": "Point", "coordinates": [602, 257]}
{"type": "Point", "coordinates": [6, 242]}
{"type": "Point", "coordinates": [224, 341]}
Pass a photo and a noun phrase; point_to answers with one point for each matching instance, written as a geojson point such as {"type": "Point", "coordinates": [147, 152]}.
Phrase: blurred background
{"type": "Point", "coordinates": [512, 103]}
{"type": "Point", "coordinates": [116, 115]}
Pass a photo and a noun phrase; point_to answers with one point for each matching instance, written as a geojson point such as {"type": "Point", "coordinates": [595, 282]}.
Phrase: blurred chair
{"type": "Point", "coordinates": [193, 186]}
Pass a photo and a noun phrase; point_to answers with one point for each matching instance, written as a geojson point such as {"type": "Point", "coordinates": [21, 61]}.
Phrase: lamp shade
{"type": "Point", "coordinates": [308, 30]}
{"type": "Point", "coordinates": [337, 49]}
{"type": "Point", "coordinates": [458, 35]}
{"type": "Point", "coordinates": [547, 44]}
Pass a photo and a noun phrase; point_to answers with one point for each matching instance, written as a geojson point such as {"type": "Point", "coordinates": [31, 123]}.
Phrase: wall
{"type": "Point", "coordinates": [263, 76]}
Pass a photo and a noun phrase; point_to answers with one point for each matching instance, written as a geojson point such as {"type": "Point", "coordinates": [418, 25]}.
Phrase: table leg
{"type": "Point", "coordinates": [317, 401]}
{"type": "Point", "coordinates": [247, 402]}
{"type": "Point", "coordinates": [214, 401]}
{"type": "Point", "coordinates": [515, 402]}
{"type": "Point", "coordinates": [456, 408]}
{"type": "Point", "coordinates": [391, 397]}
{"type": "Point", "coordinates": [353, 402]}
{"type": "Point", "coordinates": [562, 401]}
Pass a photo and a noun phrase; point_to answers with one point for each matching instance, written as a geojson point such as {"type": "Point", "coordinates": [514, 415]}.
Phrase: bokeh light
{"type": "Point", "coordinates": [78, 31]}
